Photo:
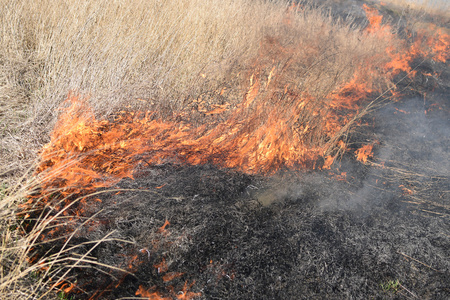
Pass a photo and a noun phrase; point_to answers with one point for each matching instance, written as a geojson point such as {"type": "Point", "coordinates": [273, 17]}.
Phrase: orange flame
{"type": "Point", "coordinates": [402, 56]}
{"type": "Point", "coordinates": [268, 130]}
{"type": "Point", "coordinates": [439, 44]}
{"type": "Point", "coordinates": [151, 295]}
{"type": "Point", "coordinates": [363, 153]}
{"type": "Point", "coordinates": [375, 20]}
{"type": "Point", "coordinates": [88, 153]}
{"type": "Point", "coordinates": [400, 60]}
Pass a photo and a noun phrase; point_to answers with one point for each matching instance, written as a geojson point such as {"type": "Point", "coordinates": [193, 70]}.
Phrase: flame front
{"type": "Point", "coordinates": [276, 124]}
{"type": "Point", "coordinates": [255, 138]}
{"type": "Point", "coordinates": [260, 135]}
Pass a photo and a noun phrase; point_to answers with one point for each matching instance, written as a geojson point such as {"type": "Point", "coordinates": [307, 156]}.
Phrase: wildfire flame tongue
{"type": "Point", "coordinates": [96, 153]}
{"type": "Point", "coordinates": [256, 137]}
{"type": "Point", "coordinates": [436, 45]}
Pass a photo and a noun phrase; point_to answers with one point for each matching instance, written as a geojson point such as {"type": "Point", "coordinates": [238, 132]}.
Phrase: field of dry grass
{"type": "Point", "coordinates": [439, 7]}
{"type": "Point", "coordinates": [139, 55]}
{"type": "Point", "coordinates": [164, 53]}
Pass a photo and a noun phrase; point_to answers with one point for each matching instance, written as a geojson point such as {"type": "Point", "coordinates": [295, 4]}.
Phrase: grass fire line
{"type": "Point", "coordinates": [274, 126]}
{"type": "Point", "coordinates": [288, 103]}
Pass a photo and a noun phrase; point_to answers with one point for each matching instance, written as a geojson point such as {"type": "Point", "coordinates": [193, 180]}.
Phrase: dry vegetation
{"type": "Point", "coordinates": [117, 51]}
{"type": "Point", "coordinates": [437, 7]}
{"type": "Point", "coordinates": [142, 54]}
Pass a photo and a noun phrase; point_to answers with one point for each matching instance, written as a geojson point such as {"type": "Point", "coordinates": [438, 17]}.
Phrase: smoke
{"type": "Point", "coordinates": [411, 160]}
{"type": "Point", "coordinates": [410, 164]}
{"type": "Point", "coordinates": [417, 132]}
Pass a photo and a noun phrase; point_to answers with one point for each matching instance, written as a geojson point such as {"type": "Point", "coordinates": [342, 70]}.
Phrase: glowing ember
{"type": "Point", "coordinates": [162, 229]}
{"type": "Point", "coordinates": [185, 294]}
{"type": "Point", "coordinates": [171, 276]}
{"type": "Point", "coordinates": [406, 191]}
{"type": "Point", "coordinates": [162, 267]}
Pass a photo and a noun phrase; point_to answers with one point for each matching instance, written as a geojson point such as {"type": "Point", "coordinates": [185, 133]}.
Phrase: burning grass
{"type": "Point", "coordinates": [278, 123]}
{"type": "Point", "coordinates": [163, 52]}
{"type": "Point", "coordinates": [254, 87]}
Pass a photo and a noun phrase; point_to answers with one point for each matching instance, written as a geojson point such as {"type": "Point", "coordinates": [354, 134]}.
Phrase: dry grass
{"type": "Point", "coordinates": [420, 14]}
{"type": "Point", "coordinates": [439, 7]}
{"type": "Point", "coordinates": [115, 50]}
{"type": "Point", "coordinates": [18, 278]}
{"type": "Point", "coordinates": [165, 53]}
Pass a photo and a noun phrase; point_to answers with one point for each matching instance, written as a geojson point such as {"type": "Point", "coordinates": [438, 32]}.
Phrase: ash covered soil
{"type": "Point", "coordinates": [316, 235]}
